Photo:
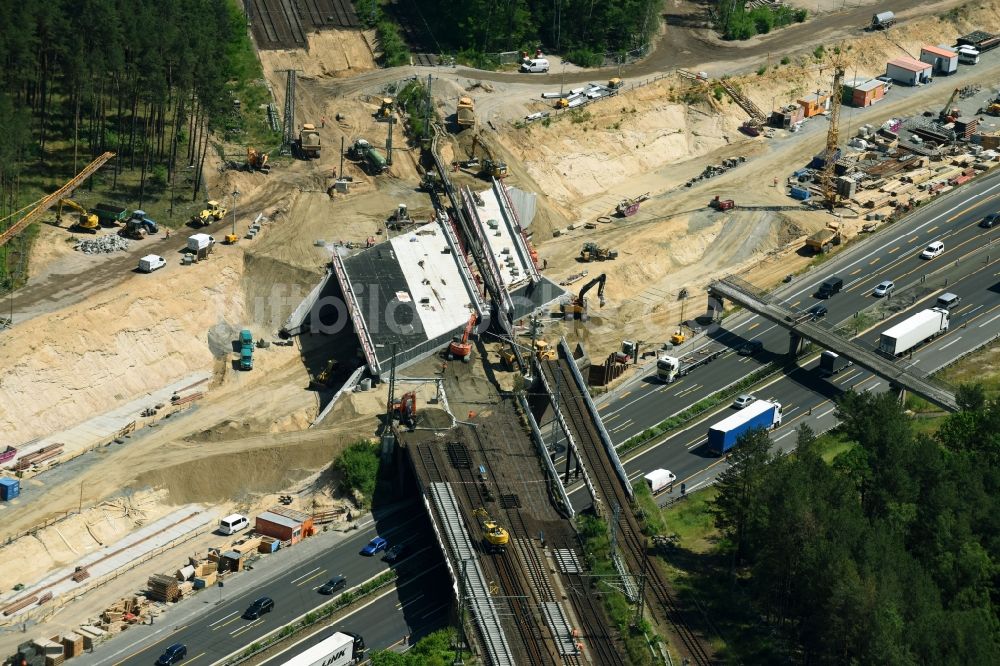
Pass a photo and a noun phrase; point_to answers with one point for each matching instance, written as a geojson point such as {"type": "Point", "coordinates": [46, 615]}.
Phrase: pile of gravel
{"type": "Point", "coordinates": [103, 244]}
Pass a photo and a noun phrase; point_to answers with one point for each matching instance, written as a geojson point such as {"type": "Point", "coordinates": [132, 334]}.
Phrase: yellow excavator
{"type": "Point", "coordinates": [494, 536]}
{"type": "Point", "coordinates": [385, 110]}
{"type": "Point", "coordinates": [543, 350]}
{"type": "Point", "coordinates": [577, 307]}
{"type": "Point", "coordinates": [86, 222]}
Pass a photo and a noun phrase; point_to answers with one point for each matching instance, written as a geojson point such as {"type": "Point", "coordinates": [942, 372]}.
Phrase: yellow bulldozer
{"type": "Point", "coordinates": [495, 537]}
{"type": "Point", "coordinates": [215, 211]}
{"type": "Point", "coordinates": [86, 221]}
{"type": "Point", "coordinates": [385, 109]}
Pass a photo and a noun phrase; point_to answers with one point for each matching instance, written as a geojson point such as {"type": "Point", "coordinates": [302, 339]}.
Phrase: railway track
{"type": "Point", "coordinates": [632, 542]}
{"type": "Point", "coordinates": [519, 599]}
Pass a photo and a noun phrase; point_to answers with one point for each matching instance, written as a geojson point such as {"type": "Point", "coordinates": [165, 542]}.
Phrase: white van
{"type": "Point", "coordinates": [968, 55]}
{"type": "Point", "coordinates": [151, 262]}
{"type": "Point", "coordinates": [535, 65]}
{"type": "Point", "coordinates": [233, 524]}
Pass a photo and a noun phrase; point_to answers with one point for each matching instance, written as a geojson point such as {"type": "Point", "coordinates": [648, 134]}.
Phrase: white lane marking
{"type": "Point", "coordinates": [945, 346]}
{"type": "Point", "coordinates": [304, 575]}
{"type": "Point", "coordinates": [989, 321]}
{"type": "Point", "coordinates": [826, 413]}
{"type": "Point", "coordinates": [223, 618]}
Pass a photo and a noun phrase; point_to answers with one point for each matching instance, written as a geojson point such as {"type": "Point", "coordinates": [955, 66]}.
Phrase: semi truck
{"type": "Point", "coordinates": [760, 414]}
{"type": "Point", "coordinates": [659, 480]}
{"type": "Point", "coordinates": [246, 349]}
{"type": "Point", "coordinates": [921, 327]}
{"type": "Point", "coordinates": [830, 363]}
{"type": "Point", "coordinates": [669, 368]}
{"type": "Point", "coordinates": [340, 649]}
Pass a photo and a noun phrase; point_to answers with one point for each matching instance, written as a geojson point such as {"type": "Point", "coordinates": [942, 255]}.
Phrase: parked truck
{"type": "Point", "coordinates": [309, 142]}
{"type": "Point", "coordinates": [200, 243]}
{"type": "Point", "coordinates": [921, 327]}
{"type": "Point", "coordinates": [465, 114]}
{"type": "Point", "coordinates": [883, 20]}
{"type": "Point", "coordinates": [669, 368]}
{"type": "Point", "coordinates": [659, 480]}
{"type": "Point", "coordinates": [340, 649]}
{"type": "Point", "coordinates": [830, 363]}
{"type": "Point", "coordinates": [764, 414]}
{"type": "Point", "coordinates": [366, 152]}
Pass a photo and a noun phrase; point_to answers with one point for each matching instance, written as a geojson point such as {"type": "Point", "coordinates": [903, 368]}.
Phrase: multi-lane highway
{"type": "Point", "coordinates": [211, 625]}
{"type": "Point", "coordinates": [891, 255]}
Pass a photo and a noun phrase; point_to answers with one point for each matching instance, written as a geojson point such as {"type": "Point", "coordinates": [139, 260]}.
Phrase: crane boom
{"type": "Point", "coordinates": [833, 139]}
{"type": "Point", "coordinates": [66, 190]}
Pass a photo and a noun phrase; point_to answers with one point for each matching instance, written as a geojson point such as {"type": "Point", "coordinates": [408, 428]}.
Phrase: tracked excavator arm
{"type": "Point", "coordinates": [590, 285]}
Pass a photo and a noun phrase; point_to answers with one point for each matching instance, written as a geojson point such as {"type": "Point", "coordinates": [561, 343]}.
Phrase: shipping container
{"type": "Point", "coordinates": [921, 327]}
{"type": "Point", "coordinates": [761, 414]}
{"type": "Point", "coordinates": [9, 489]}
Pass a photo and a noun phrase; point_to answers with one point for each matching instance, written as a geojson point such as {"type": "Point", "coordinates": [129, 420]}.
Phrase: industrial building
{"type": "Point", "coordinates": [909, 72]}
{"type": "Point", "coordinates": [284, 524]}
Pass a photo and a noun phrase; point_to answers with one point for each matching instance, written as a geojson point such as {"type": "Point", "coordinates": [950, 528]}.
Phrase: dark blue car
{"type": "Point", "coordinates": [376, 545]}
{"type": "Point", "coordinates": [172, 655]}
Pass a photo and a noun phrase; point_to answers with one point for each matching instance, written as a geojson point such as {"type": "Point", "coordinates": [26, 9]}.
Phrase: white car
{"type": "Point", "coordinates": [884, 288]}
{"type": "Point", "coordinates": [932, 250]}
{"type": "Point", "coordinates": [744, 401]}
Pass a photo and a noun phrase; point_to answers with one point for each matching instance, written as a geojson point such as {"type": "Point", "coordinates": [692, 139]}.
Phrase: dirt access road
{"type": "Point", "coordinates": [686, 42]}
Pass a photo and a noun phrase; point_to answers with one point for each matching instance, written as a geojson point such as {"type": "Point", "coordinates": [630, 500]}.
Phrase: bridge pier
{"type": "Point", "coordinates": [715, 308]}
{"type": "Point", "coordinates": [794, 345]}
{"type": "Point", "coordinates": [899, 391]}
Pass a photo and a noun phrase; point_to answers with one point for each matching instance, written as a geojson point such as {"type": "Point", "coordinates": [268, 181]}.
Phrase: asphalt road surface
{"type": "Point", "coordinates": [210, 622]}
{"type": "Point", "coordinates": [890, 255]}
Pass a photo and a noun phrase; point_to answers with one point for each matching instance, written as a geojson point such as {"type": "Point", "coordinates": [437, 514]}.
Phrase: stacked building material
{"type": "Point", "coordinates": [52, 649]}
{"type": "Point", "coordinates": [964, 129]}
{"type": "Point", "coordinates": [163, 588]}
{"type": "Point", "coordinates": [72, 645]}
{"type": "Point", "coordinates": [92, 636]}
{"type": "Point", "coordinates": [30, 655]}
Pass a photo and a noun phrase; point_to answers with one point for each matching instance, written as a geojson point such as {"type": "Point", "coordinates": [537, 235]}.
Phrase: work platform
{"type": "Point", "coordinates": [517, 598]}
{"type": "Point", "coordinates": [802, 326]}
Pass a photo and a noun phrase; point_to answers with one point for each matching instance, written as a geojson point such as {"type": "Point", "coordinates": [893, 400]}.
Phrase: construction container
{"type": "Point", "coordinates": [9, 489]}
{"type": "Point", "coordinates": [800, 193]}
{"type": "Point", "coordinates": [814, 104]}
{"type": "Point", "coordinates": [943, 59]}
{"type": "Point", "coordinates": [863, 92]}
{"type": "Point", "coordinates": [908, 71]}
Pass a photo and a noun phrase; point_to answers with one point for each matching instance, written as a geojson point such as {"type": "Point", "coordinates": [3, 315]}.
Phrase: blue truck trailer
{"type": "Point", "coordinates": [760, 414]}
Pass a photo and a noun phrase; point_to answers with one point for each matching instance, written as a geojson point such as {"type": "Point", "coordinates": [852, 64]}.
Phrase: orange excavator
{"type": "Point", "coordinates": [405, 409]}
{"type": "Point", "coordinates": [460, 347]}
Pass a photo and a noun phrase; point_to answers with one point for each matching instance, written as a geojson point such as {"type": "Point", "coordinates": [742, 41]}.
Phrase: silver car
{"type": "Point", "coordinates": [884, 288]}
{"type": "Point", "coordinates": [744, 401]}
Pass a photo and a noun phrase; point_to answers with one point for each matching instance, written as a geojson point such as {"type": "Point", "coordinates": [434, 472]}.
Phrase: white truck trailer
{"type": "Point", "coordinates": [907, 334]}
{"type": "Point", "coordinates": [340, 649]}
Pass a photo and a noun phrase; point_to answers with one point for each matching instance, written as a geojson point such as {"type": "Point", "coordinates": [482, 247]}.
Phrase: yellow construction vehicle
{"type": "Point", "coordinates": [257, 160]}
{"type": "Point", "coordinates": [678, 337]}
{"type": "Point", "coordinates": [215, 211]}
{"type": "Point", "coordinates": [544, 351]}
{"type": "Point", "coordinates": [577, 306]}
{"type": "Point", "coordinates": [615, 83]}
{"type": "Point", "coordinates": [562, 103]}
{"type": "Point", "coordinates": [465, 112]}
{"type": "Point", "coordinates": [385, 110]}
{"type": "Point", "coordinates": [593, 252]}
{"type": "Point", "coordinates": [494, 536]}
{"type": "Point", "coordinates": [993, 109]}
{"type": "Point", "coordinates": [492, 169]}
{"type": "Point", "coordinates": [47, 202]}
{"type": "Point", "coordinates": [86, 222]}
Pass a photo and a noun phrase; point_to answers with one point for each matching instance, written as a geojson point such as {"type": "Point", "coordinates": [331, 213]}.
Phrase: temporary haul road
{"type": "Point", "coordinates": [891, 255]}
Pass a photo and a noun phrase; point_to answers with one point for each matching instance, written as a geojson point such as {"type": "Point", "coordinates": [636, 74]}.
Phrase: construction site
{"type": "Point", "coordinates": [451, 293]}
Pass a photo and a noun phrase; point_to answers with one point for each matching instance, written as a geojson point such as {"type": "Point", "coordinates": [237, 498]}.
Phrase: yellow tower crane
{"type": "Point", "coordinates": [833, 139]}
{"type": "Point", "coordinates": [44, 204]}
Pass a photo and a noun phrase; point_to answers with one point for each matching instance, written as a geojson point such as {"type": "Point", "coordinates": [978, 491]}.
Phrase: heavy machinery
{"type": "Point", "coordinates": [109, 214]}
{"type": "Point", "coordinates": [949, 113]}
{"type": "Point", "coordinates": [460, 347]}
{"type": "Point", "coordinates": [405, 409]}
{"type": "Point", "coordinates": [592, 252]}
{"type": "Point", "coordinates": [325, 376]}
{"type": "Point", "coordinates": [86, 221]}
{"type": "Point", "coordinates": [465, 114]}
{"type": "Point", "coordinates": [629, 207]}
{"type": "Point", "coordinates": [363, 151]}
{"type": "Point", "coordinates": [491, 169]}
{"type": "Point", "coordinates": [544, 351]}
{"type": "Point", "coordinates": [385, 109]}
{"type": "Point", "coordinates": [44, 204]}
{"type": "Point", "coordinates": [721, 204]}
{"type": "Point", "coordinates": [139, 226]}
{"type": "Point", "coordinates": [825, 239]}
{"type": "Point", "coordinates": [994, 108]}
{"type": "Point", "coordinates": [833, 139]}
{"type": "Point", "coordinates": [309, 142]}
{"type": "Point", "coordinates": [257, 161]}
{"type": "Point", "coordinates": [431, 182]}
{"type": "Point", "coordinates": [615, 83]}
{"type": "Point", "coordinates": [495, 538]}
{"type": "Point", "coordinates": [577, 307]}
{"type": "Point", "coordinates": [214, 211]}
